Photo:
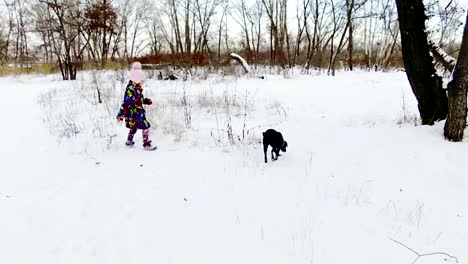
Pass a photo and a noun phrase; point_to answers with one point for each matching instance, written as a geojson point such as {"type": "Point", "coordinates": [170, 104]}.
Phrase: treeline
{"type": "Point", "coordinates": [325, 34]}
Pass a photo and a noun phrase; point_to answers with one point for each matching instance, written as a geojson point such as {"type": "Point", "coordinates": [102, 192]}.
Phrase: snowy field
{"type": "Point", "coordinates": [360, 183]}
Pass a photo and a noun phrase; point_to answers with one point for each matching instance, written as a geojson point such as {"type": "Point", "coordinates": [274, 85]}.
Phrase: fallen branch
{"type": "Point", "coordinates": [424, 255]}
{"type": "Point", "coordinates": [241, 61]}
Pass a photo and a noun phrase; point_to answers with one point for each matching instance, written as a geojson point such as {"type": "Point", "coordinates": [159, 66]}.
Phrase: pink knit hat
{"type": "Point", "coordinates": [137, 75]}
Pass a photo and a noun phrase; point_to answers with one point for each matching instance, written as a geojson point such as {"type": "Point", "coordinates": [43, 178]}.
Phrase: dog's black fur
{"type": "Point", "coordinates": [275, 140]}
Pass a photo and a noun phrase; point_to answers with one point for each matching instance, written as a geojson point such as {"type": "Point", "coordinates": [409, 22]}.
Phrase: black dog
{"type": "Point", "coordinates": [275, 140]}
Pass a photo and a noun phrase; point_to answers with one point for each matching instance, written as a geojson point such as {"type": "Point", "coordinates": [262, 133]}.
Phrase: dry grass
{"type": "Point", "coordinates": [36, 68]}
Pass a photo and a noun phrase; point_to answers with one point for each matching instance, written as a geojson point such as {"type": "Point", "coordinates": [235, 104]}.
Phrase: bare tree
{"type": "Point", "coordinates": [7, 38]}
{"type": "Point", "coordinates": [15, 46]}
{"type": "Point", "coordinates": [222, 27]}
{"type": "Point", "coordinates": [99, 29]}
{"type": "Point", "coordinates": [449, 14]}
{"type": "Point", "coordinates": [255, 18]}
{"type": "Point", "coordinates": [64, 25]}
{"type": "Point", "coordinates": [188, 40]}
{"type": "Point", "coordinates": [323, 33]}
{"type": "Point", "coordinates": [325, 27]}
{"type": "Point", "coordinates": [372, 28]}
{"type": "Point", "coordinates": [241, 16]}
{"type": "Point", "coordinates": [276, 11]}
{"type": "Point", "coordinates": [392, 34]}
{"type": "Point", "coordinates": [381, 32]}
{"type": "Point", "coordinates": [155, 38]}
{"type": "Point", "coordinates": [204, 12]}
{"type": "Point", "coordinates": [312, 38]}
{"type": "Point", "coordinates": [160, 16]}
{"type": "Point", "coordinates": [349, 18]}
{"type": "Point", "coordinates": [136, 46]}
{"type": "Point", "coordinates": [426, 84]}
{"type": "Point", "coordinates": [302, 15]}
{"type": "Point", "coordinates": [22, 51]}
{"type": "Point", "coordinates": [338, 20]}
{"type": "Point", "coordinates": [175, 25]}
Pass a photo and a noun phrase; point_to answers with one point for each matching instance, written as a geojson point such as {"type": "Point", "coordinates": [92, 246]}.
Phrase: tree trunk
{"type": "Point", "coordinates": [188, 42]}
{"type": "Point", "coordinates": [457, 89]}
{"type": "Point", "coordinates": [349, 13]}
{"type": "Point", "coordinates": [350, 46]}
{"type": "Point", "coordinates": [426, 84]}
{"type": "Point", "coordinates": [175, 17]}
{"type": "Point", "coordinates": [271, 45]}
{"type": "Point", "coordinates": [311, 51]}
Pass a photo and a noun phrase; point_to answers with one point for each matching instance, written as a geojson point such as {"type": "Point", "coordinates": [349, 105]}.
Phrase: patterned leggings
{"type": "Point", "coordinates": [144, 132]}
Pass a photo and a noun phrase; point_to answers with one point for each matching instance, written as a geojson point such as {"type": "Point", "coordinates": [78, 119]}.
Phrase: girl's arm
{"type": "Point", "coordinates": [129, 99]}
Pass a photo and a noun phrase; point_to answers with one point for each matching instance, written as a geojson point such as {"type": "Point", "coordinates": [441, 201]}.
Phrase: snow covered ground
{"type": "Point", "coordinates": [358, 174]}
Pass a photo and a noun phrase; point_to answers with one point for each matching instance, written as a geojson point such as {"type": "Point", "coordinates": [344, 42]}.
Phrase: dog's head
{"type": "Point", "coordinates": [285, 145]}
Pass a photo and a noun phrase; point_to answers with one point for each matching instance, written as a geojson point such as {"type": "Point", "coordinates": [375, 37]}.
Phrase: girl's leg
{"type": "Point", "coordinates": [146, 139]}
{"type": "Point", "coordinates": [131, 134]}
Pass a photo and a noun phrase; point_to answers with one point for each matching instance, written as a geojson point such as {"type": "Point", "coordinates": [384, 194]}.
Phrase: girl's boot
{"type": "Point", "coordinates": [146, 141]}
{"type": "Point", "coordinates": [131, 134]}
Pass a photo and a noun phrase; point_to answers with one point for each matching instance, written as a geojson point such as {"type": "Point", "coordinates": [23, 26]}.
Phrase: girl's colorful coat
{"type": "Point", "coordinates": [132, 107]}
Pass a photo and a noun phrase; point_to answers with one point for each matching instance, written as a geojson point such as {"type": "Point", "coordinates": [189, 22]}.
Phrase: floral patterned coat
{"type": "Point", "coordinates": [132, 107]}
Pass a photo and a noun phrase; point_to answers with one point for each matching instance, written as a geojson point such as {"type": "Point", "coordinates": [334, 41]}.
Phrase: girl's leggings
{"type": "Point", "coordinates": [144, 132]}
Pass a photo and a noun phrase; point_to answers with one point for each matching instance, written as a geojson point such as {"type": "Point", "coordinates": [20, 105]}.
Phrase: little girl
{"type": "Point", "coordinates": [132, 108]}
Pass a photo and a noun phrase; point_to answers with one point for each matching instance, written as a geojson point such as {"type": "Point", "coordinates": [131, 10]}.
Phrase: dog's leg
{"type": "Point", "coordinates": [265, 149]}
{"type": "Point", "coordinates": [276, 151]}
{"type": "Point", "coordinates": [272, 154]}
